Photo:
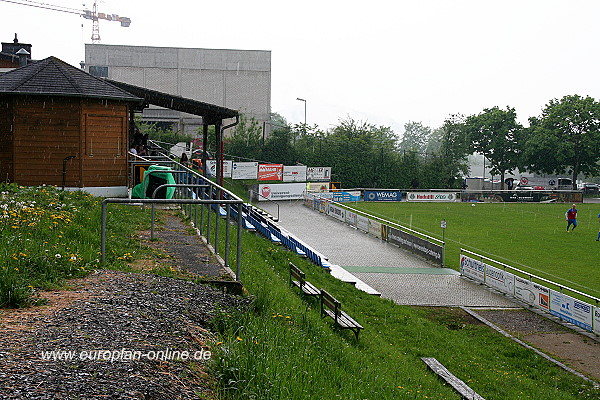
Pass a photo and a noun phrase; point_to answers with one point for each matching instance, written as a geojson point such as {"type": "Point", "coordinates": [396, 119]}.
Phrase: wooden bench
{"type": "Point", "coordinates": [333, 308]}
{"type": "Point", "coordinates": [297, 278]}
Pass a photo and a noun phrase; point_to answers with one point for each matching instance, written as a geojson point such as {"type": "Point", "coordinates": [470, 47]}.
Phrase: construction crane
{"type": "Point", "coordinates": [92, 14]}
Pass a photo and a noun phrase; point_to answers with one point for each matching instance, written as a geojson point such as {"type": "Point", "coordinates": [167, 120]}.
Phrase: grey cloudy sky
{"type": "Point", "coordinates": [384, 62]}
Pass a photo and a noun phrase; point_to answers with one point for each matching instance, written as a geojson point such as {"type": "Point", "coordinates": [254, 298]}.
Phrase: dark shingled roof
{"type": "Point", "coordinates": [53, 77]}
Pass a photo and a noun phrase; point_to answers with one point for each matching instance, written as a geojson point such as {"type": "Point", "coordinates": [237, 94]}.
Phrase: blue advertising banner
{"type": "Point", "coordinates": [382, 195]}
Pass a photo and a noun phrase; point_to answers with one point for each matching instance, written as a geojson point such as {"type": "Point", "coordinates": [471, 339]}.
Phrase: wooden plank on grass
{"type": "Point", "coordinates": [462, 388]}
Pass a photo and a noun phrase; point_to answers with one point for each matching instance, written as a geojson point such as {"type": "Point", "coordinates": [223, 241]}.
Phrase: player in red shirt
{"type": "Point", "coordinates": [571, 216]}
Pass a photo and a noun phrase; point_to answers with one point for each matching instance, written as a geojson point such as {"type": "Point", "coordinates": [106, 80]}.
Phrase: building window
{"type": "Point", "coordinates": [100, 72]}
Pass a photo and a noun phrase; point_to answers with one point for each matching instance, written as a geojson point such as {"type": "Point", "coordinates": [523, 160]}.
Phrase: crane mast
{"type": "Point", "coordinates": [92, 14]}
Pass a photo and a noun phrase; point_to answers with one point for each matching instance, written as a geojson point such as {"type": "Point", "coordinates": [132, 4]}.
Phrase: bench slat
{"type": "Point", "coordinates": [462, 388]}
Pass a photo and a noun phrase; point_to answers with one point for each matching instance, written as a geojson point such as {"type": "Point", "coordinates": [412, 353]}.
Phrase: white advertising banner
{"type": "Point", "coordinates": [362, 223]}
{"type": "Point", "coordinates": [472, 268]}
{"type": "Point", "coordinates": [296, 173]}
{"type": "Point", "coordinates": [244, 170]}
{"type": "Point", "coordinates": [227, 166]}
{"type": "Point", "coordinates": [571, 310]}
{"type": "Point", "coordinates": [318, 173]}
{"type": "Point", "coordinates": [375, 228]}
{"type": "Point", "coordinates": [597, 320]}
{"type": "Point", "coordinates": [431, 196]}
{"type": "Point", "coordinates": [317, 186]}
{"type": "Point", "coordinates": [532, 293]}
{"type": "Point", "coordinates": [281, 191]}
{"type": "Point", "coordinates": [336, 212]}
{"type": "Point", "coordinates": [351, 218]}
{"type": "Point", "coordinates": [500, 280]}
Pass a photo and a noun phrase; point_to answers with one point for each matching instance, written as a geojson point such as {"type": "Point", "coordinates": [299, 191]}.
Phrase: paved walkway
{"type": "Point", "coordinates": [395, 273]}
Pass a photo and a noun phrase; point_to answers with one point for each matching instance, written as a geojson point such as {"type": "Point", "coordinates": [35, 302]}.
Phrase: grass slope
{"type": "Point", "coordinates": [282, 349]}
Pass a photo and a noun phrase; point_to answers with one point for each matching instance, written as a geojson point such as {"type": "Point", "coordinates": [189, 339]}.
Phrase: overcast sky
{"type": "Point", "coordinates": [383, 62]}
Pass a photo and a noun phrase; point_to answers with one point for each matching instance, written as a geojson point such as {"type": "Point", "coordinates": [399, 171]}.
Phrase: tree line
{"type": "Point", "coordinates": [563, 139]}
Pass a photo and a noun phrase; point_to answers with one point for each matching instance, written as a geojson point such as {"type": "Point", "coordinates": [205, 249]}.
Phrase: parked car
{"type": "Point", "coordinates": [589, 188]}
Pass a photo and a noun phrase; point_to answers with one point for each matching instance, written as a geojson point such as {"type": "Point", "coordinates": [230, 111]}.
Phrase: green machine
{"type": "Point", "coordinates": [150, 182]}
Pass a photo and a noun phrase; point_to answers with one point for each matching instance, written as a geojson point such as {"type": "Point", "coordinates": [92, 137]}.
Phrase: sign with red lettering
{"type": "Point", "coordinates": [270, 172]}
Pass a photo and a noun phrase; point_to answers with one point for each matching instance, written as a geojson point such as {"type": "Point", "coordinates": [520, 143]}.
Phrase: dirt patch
{"type": "Point", "coordinates": [112, 312]}
{"type": "Point", "coordinates": [576, 351]}
{"type": "Point", "coordinates": [573, 349]}
{"type": "Point", "coordinates": [79, 289]}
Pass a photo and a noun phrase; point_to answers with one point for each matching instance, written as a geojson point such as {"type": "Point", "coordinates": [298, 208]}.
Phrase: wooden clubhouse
{"type": "Point", "coordinates": [62, 126]}
{"type": "Point", "coordinates": [53, 115]}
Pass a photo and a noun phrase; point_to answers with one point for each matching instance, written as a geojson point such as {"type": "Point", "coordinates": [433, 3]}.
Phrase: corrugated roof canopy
{"type": "Point", "coordinates": [210, 113]}
{"type": "Point", "coordinates": [54, 77]}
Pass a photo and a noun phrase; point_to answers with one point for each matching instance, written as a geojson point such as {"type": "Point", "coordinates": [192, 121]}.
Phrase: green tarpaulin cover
{"type": "Point", "coordinates": [151, 181]}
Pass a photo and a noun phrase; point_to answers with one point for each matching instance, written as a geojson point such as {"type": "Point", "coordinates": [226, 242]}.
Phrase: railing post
{"type": "Point", "coordinates": [227, 235]}
{"type": "Point", "coordinates": [239, 244]}
{"type": "Point", "coordinates": [207, 236]}
{"type": "Point", "coordinates": [103, 234]}
{"type": "Point", "coordinates": [217, 218]}
{"type": "Point", "coordinates": [152, 222]}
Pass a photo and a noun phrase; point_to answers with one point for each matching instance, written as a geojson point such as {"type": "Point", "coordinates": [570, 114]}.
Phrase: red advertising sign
{"type": "Point", "coordinates": [270, 172]}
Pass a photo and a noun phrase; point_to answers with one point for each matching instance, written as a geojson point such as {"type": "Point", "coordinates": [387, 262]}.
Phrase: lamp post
{"type": "Point", "coordinates": [299, 99]}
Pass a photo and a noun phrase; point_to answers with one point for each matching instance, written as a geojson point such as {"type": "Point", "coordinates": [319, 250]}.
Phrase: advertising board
{"type": "Point", "coordinates": [597, 320]}
{"type": "Point", "coordinates": [318, 173]}
{"type": "Point", "coordinates": [362, 223]}
{"type": "Point", "coordinates": [375, 228]}
{"type": "Point", "coordinates": [571, 310]}
{"type": "Point", "coordinates": [472, 268]}
{"type": "Point", "coordinates": [341, 197]}
{"type": "Point", "coordinates": [212, 168]}
{"type": "Point", "coordinates": [281, 191]}
{"type": "Point", "coordinates": [295, 173]}
{"type": "Point", "coordinates": [336, 212]}
{"type": "Point", "coordinates": [244, 170]}
{"type": "Point", "coordinates": [431, 196]}
{"type": "Point", "coordinates": [532, 293]}
{"type": "Point", "coordinates": [317, 186]}
{"type": "Point", "coordinates": [500, 280]}
{"type": "Point", "coordinates": [382, 195]}
{"type": "Point", "coordinates": [270, 172]}
{"type": "Point", "coordinates": [419, 246]}
{"type": "Point", "coordinates": [351, 218]}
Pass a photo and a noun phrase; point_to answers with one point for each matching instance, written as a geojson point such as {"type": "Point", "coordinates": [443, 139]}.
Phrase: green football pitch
{"type": "Point", "coordinates": [531, 237]}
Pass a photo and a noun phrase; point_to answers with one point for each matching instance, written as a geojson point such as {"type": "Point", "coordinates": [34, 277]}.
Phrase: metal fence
{"type": "Point", "coordinates": [204, 202]}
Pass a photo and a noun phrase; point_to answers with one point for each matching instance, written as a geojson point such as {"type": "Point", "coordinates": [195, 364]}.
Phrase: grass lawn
{"type": "Point", "coordinates": [281, 348]}
{"type": "Point", "coordinates": [527, 236]}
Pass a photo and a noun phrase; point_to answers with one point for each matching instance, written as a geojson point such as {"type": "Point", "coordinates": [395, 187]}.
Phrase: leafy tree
{"type": "Point", "coordinates": [448, 148]}
{"type": "Point", "coordinates": [358, 152]}
{"type": "Point", "coordinates": [279, 146]}
{"type": "Point", "coordinates": [415, 137]}
{"type": "Point", "coordinates": [566, 137]}
{"type": "Point", "coordinates": [167, 136]}
{"type": "Point", "coordinates": [246, 139]}
{"type": "Point", "coordinates": [494, 133]}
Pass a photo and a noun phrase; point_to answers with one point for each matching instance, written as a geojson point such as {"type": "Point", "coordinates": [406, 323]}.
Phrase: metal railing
{"type": "Point", "coordinates": [253, 192]}
{"type": "Point", "coordinates": [197, 196]}
{"type": "Point", "coordinates": [383, 220]}
{"type": "Point", "coordinates": [561, 288]}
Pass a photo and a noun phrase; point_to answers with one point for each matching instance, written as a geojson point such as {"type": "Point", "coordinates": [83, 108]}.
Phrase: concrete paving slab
{"type": "Point", "coordinates": [433, 290]}
{"type": "Point", "coordinates": [395, 273]}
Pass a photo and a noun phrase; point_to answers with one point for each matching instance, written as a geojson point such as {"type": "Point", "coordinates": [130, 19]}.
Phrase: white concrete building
{"type": "Point", "coordinates": [236, 79]}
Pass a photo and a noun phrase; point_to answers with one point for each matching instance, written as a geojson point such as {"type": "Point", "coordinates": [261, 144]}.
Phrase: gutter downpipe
{"type": "Point", "coordinates": [219, 195]}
